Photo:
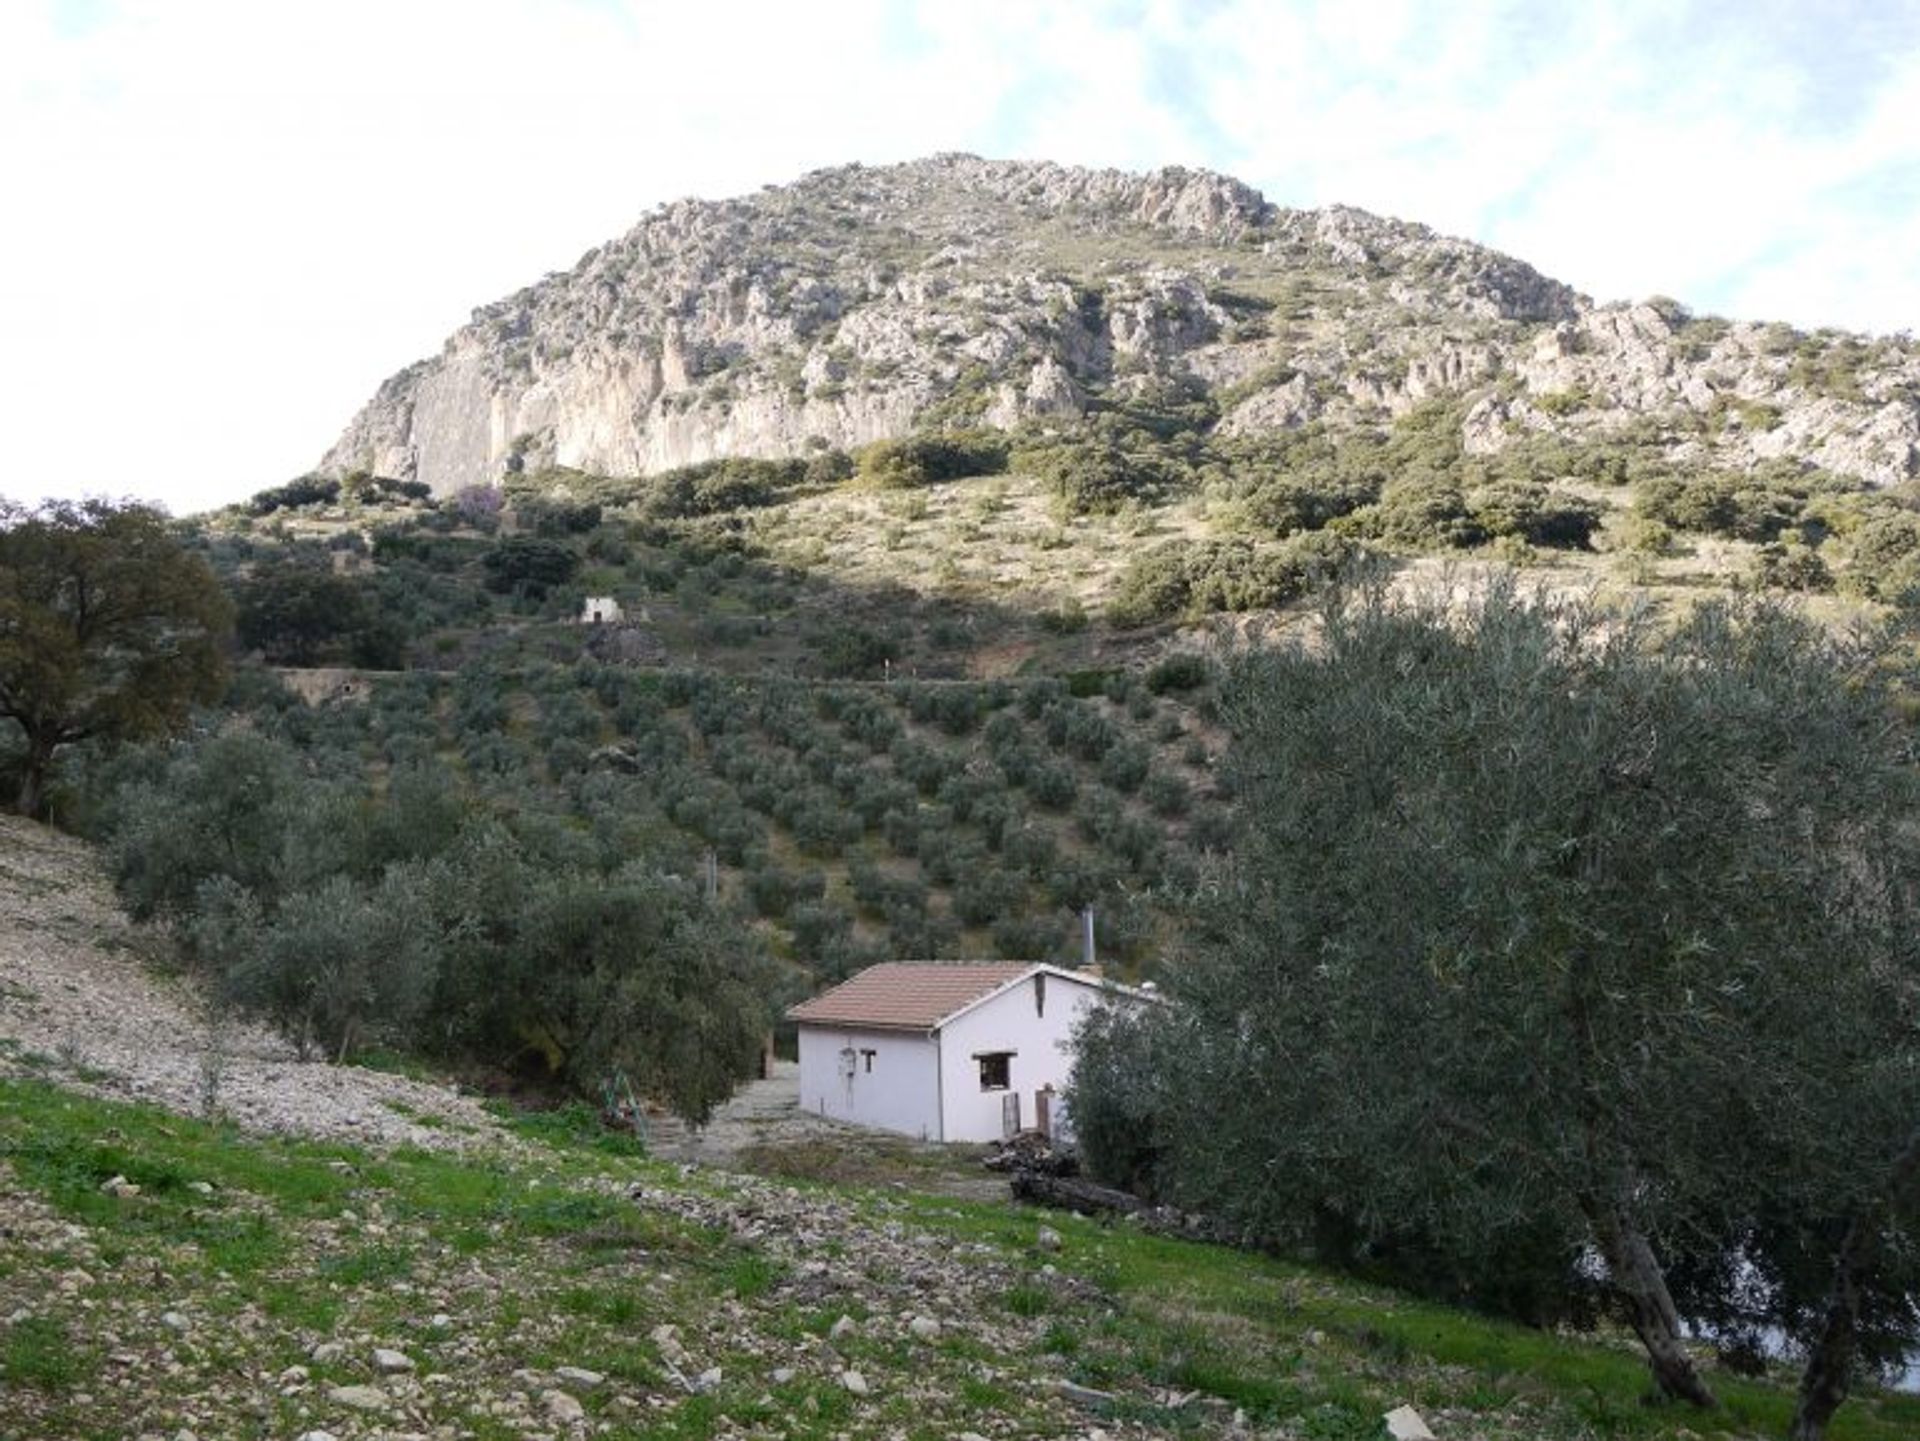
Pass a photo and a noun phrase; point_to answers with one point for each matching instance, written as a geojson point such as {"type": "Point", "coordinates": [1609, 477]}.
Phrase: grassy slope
{"type": "Point", "coordinates": [538, 1259]}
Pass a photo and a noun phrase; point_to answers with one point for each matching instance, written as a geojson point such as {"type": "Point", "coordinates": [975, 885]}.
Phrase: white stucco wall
{"type": "Point", "coordinates": [900, 1093]}
{"type": "Point", "coordinates": [1042, 1046]}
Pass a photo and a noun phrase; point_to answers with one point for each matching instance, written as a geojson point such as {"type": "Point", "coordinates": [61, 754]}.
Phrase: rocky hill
{"type": "Point", "coordinates": [860, 304]}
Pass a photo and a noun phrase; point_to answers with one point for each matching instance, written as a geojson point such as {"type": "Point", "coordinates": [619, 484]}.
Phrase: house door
{"type": "Point", "coordinates": [1009, 1113]}
{"type": "Point", "coordinates": [1043, 1111]}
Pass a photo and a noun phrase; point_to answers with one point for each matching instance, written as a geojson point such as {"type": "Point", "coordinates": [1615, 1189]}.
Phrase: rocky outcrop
{"type": "Point", "coordinates": [858, 304]}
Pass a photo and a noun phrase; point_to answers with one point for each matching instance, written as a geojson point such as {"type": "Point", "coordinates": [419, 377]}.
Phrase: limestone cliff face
{"type": "Point", "coordinates": [858, 304]}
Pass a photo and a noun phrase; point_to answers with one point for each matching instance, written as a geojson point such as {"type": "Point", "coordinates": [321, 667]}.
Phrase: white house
{"type": "Point", "coordinates": [600, 608]}
{"type": "Point", "coordinates": [946, 1051]}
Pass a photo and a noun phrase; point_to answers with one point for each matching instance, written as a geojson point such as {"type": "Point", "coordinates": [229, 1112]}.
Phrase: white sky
{"type": "Point", "coordinates": [226, 221]}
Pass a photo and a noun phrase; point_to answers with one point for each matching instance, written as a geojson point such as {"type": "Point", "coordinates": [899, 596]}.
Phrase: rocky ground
{"type": "Point", "coordinates": [83, 994]}
{"type": "Point", "coordinates": [616, 1304]}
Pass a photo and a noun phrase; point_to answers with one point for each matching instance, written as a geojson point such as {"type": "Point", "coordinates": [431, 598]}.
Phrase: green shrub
{"type": "Point", "coordinates": [1166, 793]}
{"type": "Point", "coordinates": [1018, 762]}
{"type": "Point", "coordinates": [1884, 557]}
{"type": "Point", "coordinates": [1289, 504]}
{"type": "Point", "coordinates": [305, 491]}
{"type": "Point", "coordinates": [943, 854]}
{"type": "Point", "coordinates": [1098, 816]}
{"type": "Point", "coordinates": [1535, 514]}
{"type": "Point", "coordinates": [1090, 476]}
{"type": "Point", "coordinates": [555, 518]}
{"type": "Point", "coordinates": [1124, 767]}
{"type": "Point", "coordinates": [929, 459]}
{"type": "Point", "coordinates": [925, 766]}
{"type": "Point", "coordinates": [1052, 784]}
{"type": "Point", "coordinates": [924, 936]}
{"type": "Point", "coordinates": [1419, 514]}
{"type": "Point", "coordinates": [1181, 671]}
{"type": "Point", "coordinates": [1040, 694]}
{"type": "Point", "coordinates": [994, 813]}
{"type": "Point", "coordinates": [1193, 579]}
{"type": "Point", "coordinates": [1563, 402]}
{"type": "Point", "coordinates": [1069, 617]}
{"type": "Point", "coordinates": [1756, 507]}
{"type": "Point", "coordinates": [1081, 730]}
{"type": "Point", "coordinates": [829, 467]}
{"type": "Point", "coordinates": [296, 614]}
{"type": "Point", "coordinates": [858, 652]}
{"type": "Point", "coordinates": [816, 927]}
{"type": "Point", "coordinates": [1023, 937]}
{"type": "Point", "coordinates": [528, 565]}
{"type": "Point", "coordinates": [880, 894]}
{"type": "Point", "coordinates": [1791, 567]}
{"type": "Point", "coordinates": [340, 966]}
{"type": "Point", "coordinates": [821, 828]}
{"type": "Point", "coordinates": [901, 830]}
{"type": "Point", "coordinates": [1032, 848]}
{"type": "Point", "coordinates": [983, 895]}
{"type": "Point", "coordinates": [1211, 829]}
{"type": "Point", "coordinates": [1115, 1096]}
{"type": "Point", "coordinates": [716, 486]}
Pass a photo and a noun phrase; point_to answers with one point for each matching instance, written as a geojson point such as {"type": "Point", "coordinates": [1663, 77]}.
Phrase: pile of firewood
{"type": "Point", "coordinates": [1042, 1174]}
{"type": "Point", "coordinates": [1031, 1151]}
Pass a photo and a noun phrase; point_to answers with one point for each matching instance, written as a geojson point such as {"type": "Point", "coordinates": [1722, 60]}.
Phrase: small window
{"type": "Point", "coordinates": [996, 1070]}
{"type": "Point", "coordinates": [867, 1058]}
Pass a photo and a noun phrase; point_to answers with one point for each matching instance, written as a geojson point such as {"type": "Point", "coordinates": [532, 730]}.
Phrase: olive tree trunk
{"type": "Point", "coordinates": [1650, 1309]}
{"type": "Point", "coordinates": [31, 799]}
{"type": "Point", "coordinates": [1830, 1359]}
{"type": "Point", "coordinates": [1834, 1351]}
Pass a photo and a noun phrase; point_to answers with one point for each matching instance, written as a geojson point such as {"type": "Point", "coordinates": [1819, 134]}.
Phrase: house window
{"type": "Point", "coordinates": [866, 1058]}
{"type": "Point", "coordinates": [996, 1070]}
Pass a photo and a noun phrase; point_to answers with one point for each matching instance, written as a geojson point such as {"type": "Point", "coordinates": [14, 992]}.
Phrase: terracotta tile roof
{"type": "Point", "coordinates": [908, 995]}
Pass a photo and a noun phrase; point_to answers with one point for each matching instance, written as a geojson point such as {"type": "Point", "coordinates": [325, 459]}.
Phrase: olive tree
{"type": "Point", "coordinates": [108, 629]}
{"type": "Point", "coordinates": [1546, 928]}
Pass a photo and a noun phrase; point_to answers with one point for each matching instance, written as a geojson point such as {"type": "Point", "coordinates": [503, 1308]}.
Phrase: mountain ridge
{"type": "Point", "coordinates": [860, 304]}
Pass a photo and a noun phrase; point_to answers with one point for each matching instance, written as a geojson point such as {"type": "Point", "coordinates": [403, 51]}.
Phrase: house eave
{"type": "Point", "coordinates": [848, 1023]}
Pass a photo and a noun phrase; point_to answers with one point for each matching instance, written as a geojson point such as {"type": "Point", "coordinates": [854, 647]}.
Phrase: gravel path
{"type": "Point", "coordinates": [80, 999]}
{"type": "Point", "coordinates": [761, 1113]}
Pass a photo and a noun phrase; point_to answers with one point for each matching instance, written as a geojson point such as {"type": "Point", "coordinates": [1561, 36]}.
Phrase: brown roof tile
{"type": "Point", "coordinates": [908, 995]}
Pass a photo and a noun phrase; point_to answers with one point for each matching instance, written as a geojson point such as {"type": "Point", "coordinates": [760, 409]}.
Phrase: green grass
{"type": "Point", "coordinates": [753, 1275]}
{"type": "Point", "coordinates": [369, 1265]}
{"type": "Point", "coordinates": [282, 1253]}
{"type": "Point", "coordinates": [1235, 1327]}
{"type": "Point", "coordinates": [577, 1125]}
{"type": "Point", "coordinates": [1025, 1300]}
{"type": "Point", "coordinates": [37, 1352]}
